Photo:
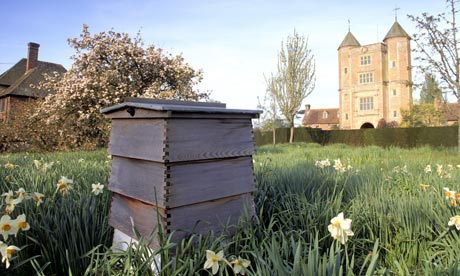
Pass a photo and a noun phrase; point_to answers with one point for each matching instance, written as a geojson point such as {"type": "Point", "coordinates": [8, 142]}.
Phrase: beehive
{"type": "Point", "coordinates": [186, 165]}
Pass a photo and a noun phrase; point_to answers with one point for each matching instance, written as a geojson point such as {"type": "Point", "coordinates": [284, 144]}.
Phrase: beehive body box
{"type": "Point", "coordinates": [185, 166]}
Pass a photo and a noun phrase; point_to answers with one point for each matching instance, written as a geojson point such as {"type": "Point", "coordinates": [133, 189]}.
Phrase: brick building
{"type": "Point", "coordinates": [324, 118]}
{"type": "Point", "coordinates": [17, 83]}
{"type": "Point", "coordinates": [375, 80]}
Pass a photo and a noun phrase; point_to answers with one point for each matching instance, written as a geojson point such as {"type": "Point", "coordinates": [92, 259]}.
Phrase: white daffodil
{"type": "Point", "coordinates": [340, 228]}
{"type": "Point", "coordinates": [239, 265]}
{"type": "Point", "coordinates": [38, 197]}
{"type": "Point", "coordinates": [7, 227]}
{"type": "Point", "coordinates": [21, 223]}
{"type": "Point", "coordinates": [448, 193]}
{"type": "Point", "coordinates": [6, 252]}
{"type": "Point", "coordinates": [63, 184]}
{"type": "Point", "coordinates": [427, 169]}
{"type": "Point", "coordinates": [98, 188]}
{"type": "Point", "coordinates": [212, 260]}
{"type": "Point", "coordinates": [455, 221]}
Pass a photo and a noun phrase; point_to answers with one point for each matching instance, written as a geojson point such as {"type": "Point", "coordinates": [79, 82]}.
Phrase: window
{"type": "Point", "coordinates": [2, 105]}
{"type": "Point", "coordinates": [338, 114]}
{"type": "Point", "coordinates": [394, 92]}
{"type": "Point", "coordinates": [365, 60]}
{"type": "Point", "coordinates": [346, 116]}
{"type": "Point", "coordinates": [345, 70]}
{"type": "Point", "coordinates": [393, 64]}
{"type": "Point", "coordinates": [366, 77]}
{"type": "Point", "coordinates": [366, 103]}
{"type": "Point", "coordinates": [324, 114]}
{"type": "Point", "coordinates": [395, 114]}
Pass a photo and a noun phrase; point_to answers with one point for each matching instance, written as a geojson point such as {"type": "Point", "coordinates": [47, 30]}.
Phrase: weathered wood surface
{"type": "Point", "coordinates": [208, 139]}
{"type": "Point", "coordinates": [197, 182]}
{"type": "Point", "coordinates": [206, 216]}
{"type": "Point", "coordinates": [178, 184]}
{"type": "Point", "coordinates": [141, 113]}
{"type": "Point", "coordinates": [144, 216]}
{"type": "Point", "coordinates": [142, 139]}
{"type": "Point", "coordinates": [139, 179]}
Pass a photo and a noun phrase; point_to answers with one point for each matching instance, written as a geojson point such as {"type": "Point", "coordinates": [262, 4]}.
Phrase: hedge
{"type": "Point", "coordinates": [385, 137]}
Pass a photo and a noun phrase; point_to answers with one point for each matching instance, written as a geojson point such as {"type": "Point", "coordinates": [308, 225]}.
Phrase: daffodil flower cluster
{"type": "Point", "coordinates": [65, 184]}
{"type": "Point", "coordinates": [338, 165]}
{"type": "Point", "coordinates": [441, 171]}
{"type": "Point", "coordinates": [39, 165]}
{"type": "Point", "coordinates": [11, 227]}
{"type": "Point", "coordinates": [340, 228]}
{"type": "Point", "coordinates": [213, 261]}
{"type": "Point", "coordinates": [452, 196]}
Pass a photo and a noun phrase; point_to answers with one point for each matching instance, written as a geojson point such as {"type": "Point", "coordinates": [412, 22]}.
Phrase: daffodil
{"type": "Point", "coordinates": [338, 165]}
{"type": "Point", "coordinates": [37, 164]}
{"type": "Point", "coordinates": [448, 193]}
{"type": "Point", "coordinates": [439, 170]}
{"type": "Point", "coordinates": [21, 223]}
{"type": "Point", "coordinates": [340, 228]}
{"type": "Point", "coordinates": [7, 227]}
{"type": "Point", "coordinates": [6, 252]}
{"type": "Point", "coordinates": [455, 221]}
{"type": "Point", "coordinates": [239, 265]}
{"type": "Point", "coordinates": [8, 196]}
{"type": "Point", "coordinates": [11, 166]}
{"type": "Point", "coordinates": [98, 188]}
{"type": "Point", "coordinates": [424, 186]}
{"type": "Point", "coordinates": [63, 184]}
{"type": "Point", "coordinates": [427, 169]}
{"type": "Point", "coordinates": [38, 197]}
{"type": "Point", "coordinates": [20, 195]}
{"type": "Point", "coordinates": [212, 260]}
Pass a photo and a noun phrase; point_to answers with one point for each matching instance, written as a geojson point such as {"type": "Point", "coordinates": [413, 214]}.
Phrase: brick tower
{"type": "Point", "coordinates": [375, 80]}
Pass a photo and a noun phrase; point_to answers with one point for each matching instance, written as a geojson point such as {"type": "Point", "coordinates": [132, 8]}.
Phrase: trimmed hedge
{"type": "Point", "coordinates": [384, 137]}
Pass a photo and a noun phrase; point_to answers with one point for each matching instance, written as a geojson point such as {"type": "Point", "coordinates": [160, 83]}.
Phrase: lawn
{"type": "Point", "coordinates": [399, 225]}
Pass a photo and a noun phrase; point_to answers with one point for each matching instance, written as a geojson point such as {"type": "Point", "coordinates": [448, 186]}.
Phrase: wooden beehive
{"type": "Point", "coordinates": [186, 165]}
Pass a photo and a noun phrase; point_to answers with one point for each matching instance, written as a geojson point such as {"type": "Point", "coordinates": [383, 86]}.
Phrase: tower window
{"type": "Point", "coordinates": [366, 103]}
{"type": "Point", "coordinates": [394, 92]}
{"type": "Point", "coordinates": [395, 114]}
{"type": "Point", "coordinates": [366, 77]}
{"type": "Point", "coordinates": [365, 60]}
{"type": "Point", "coordinates": [393, 64]}
{"type": "Point", "coordinates": [345, 70]}
{"type": "Point", "coordinates": [346, 116]}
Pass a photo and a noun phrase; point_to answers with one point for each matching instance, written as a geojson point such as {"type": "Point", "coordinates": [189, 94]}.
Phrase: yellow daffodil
{"type": "Point", "coordinates": [455, 221]}
{"type": "Point", "coordinates": [239, 265]}
{"type": "Point", "coordinates": [424, 186]}
{"type": "Point", "coordinates": [448, 193]}
{"type": "Point", "coordinates": [98, 188]}
{"type": "Point", "coordinates": [6, 252]}
{"type": "Point", "coordinates": [38, 197]}
{"type": "Point", "coordinates": [212, 260]}
{"type": "Point", "coordinates": [340, 228]}
{"type": "Point", "coordinates": [21, 223]}
{"type": "Point", "coordinates": [7, 227]}
{"type": "Point", "coordinates": [63, 184]}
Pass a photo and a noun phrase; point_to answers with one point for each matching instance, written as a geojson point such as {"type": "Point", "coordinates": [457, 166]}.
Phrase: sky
{"type": "Point", "coordinates": [234, 42]}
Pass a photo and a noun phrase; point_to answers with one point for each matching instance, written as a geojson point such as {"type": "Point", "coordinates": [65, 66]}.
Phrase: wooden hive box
{"type": "Point", "coordinates": [184, 165]}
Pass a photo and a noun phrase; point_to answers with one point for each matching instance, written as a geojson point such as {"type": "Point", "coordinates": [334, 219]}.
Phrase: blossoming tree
{"type": "Point", "coordinates": [109, 67]}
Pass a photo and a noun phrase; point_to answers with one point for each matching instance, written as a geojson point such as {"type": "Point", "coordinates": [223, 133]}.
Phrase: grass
{"type": "Point", "coordinates": [399, 229]}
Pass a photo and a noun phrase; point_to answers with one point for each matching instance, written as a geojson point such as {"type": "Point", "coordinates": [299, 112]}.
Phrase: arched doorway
{"type": "Point", "coordinates": [367, 125]}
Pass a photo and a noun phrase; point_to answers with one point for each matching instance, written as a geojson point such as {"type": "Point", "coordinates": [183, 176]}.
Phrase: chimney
{"type": "Point", "coordinates": [32, 56]}
{"type": "Point", "coordinates": [307, 108]}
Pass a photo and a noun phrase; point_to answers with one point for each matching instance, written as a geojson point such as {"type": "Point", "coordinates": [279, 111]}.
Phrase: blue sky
{"type": "Point", "coordinates": [234, 42]}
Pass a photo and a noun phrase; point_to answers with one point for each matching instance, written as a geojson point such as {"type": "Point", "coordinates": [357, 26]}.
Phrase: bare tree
{"type": "Point", "coordinates": [438, 44]}
{"type": "Point", "coordinates": [295, 79]}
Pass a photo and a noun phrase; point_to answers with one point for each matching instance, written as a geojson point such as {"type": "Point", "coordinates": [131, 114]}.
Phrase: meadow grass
{"type": "Point", "coordinates": [399, 228]}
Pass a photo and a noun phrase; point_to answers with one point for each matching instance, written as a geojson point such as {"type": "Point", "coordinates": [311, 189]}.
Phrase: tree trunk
{"type": "Point", "coordinates": [291, 137]}
{"type": "Point", "coordinates": [274, 135]}
{"type": "Point", "coordinates": [458, 122]}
